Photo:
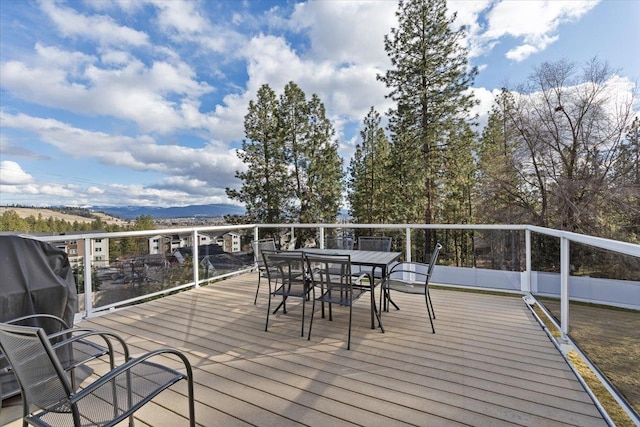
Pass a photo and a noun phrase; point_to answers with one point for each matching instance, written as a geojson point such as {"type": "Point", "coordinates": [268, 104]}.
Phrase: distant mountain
{"type": "Point", "coordinates": [192, 211]}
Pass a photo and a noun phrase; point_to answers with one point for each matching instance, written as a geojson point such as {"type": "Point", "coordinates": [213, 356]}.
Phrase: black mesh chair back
{"type": "Point", "coordinates": [339, 243]}
{"type": "Point", "coordinates": [112, 398]}
{"type": "Point", "coordinates": [371, 243]}
{"type": "Point", "coordinates": [414, 278]}
{"type": "Point", "coordinates": [8, 384]}
{"type": "Point", "coordinates": [333, 276]}
{"type": "Point", "coordinates": [36, 366]}
{"type": "Point", "coordinates": [287, 275]}
{"type": "Point", "coordinates": [258, 246]}
{"type": "Point", "coordinates": [71, 345]}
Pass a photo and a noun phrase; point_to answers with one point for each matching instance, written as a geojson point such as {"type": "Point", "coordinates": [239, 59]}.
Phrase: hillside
{"type": "Point", "coordinates": [48, 213]}
{"type": "Point", "coordinates": [191, 211]}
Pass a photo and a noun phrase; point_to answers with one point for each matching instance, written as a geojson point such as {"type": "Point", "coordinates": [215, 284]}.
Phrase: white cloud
{"type": "Point", "coordinates": [485, 99]}
{"type": "Point", "coordinates": [12, 174]}
{"type": "Point", "coordinates": [346, 90]}
{"type": "Point", "coordinates": [210, 164]}
{"type": "Point", "coordinates": [180, 16]}
{"type": "Point", "coordinates": [342, 32]}
{"type": "Point", "coordinates": [130, 91]}
{"type": "Point", "coordinates": [101, 28]}
{"type": "Point", "coordinates": [534, 22]}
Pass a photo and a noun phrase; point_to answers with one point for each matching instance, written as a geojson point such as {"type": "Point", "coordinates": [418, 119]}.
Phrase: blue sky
{"type": "Point", "coordinates": [142, 102]}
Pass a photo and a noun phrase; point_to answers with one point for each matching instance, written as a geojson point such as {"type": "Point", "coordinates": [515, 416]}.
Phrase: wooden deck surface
{"type": "Point", "coordinates": [489, 362]}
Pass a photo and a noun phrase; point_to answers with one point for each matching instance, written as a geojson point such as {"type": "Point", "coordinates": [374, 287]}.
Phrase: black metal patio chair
{"type": "Point", "coordinates": [339, 243]}
{"type": "Point", "coordinates": [288, 278]}
{"type": "Point", "coordinates": [49, 399]}
{"type": "Point", "coordinates": [411, 277]}
{"type": "Point", "coordinates": [374, 243]}
{"type": "Point", "coordinates": [332, 274]}
{"type": "Point", "coordinates": [258, 246]}
{"type": "Point", "coordinates": [73, 347]}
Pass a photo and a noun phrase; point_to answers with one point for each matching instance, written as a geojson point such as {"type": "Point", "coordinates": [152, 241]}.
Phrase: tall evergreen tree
{"type": "Point", "coordinates": [429, 81]}
{"type": "Point", "coordinates": [315, 168]}
{"type": "Point", "coordinates": [368, 190]}
{"type": "Point", "coordinates": [325, 177]}
{"type": "Point", "coordinates": [263, 190]}
{"type": "Point", "coordinates": [503, 195]}
{"type": "Point", "coordinates": [293, 127]}
{"type": "Point", "coordinates": [294, 170]}
{"type": "Point", "coordinates": [456, 188]}
{"type": "Point", "coordinates": [407, 172]}
{"type": "Point", "coordinates": [458, 177]}
{"type": "Point", "coordinates": [11, 221]}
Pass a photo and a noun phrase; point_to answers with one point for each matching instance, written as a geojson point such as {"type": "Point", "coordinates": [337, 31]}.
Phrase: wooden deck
{"type": "Point", "coordinates": [489, 363]}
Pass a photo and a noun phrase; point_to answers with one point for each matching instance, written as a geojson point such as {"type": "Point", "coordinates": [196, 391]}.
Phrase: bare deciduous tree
{"type": "Point", "coordinates": [571, 124]}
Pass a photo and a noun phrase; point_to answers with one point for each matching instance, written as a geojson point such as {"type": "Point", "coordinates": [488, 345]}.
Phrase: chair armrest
{"type": "Point", "coordinates": [84, 333]}
{"type": "Point", "coordinates": [18, 320]}
{"type": "Point", "coordinates": [129, 365]}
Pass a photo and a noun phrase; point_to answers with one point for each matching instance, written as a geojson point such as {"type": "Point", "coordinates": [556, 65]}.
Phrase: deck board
{"type": "Point", "coordinates": [489, 362]}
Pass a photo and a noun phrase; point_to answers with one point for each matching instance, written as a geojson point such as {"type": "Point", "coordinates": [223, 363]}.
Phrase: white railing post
{"type": "Point", "coordinates": [407, 244]}
{"type": "Point", "coordinates": [256, 233]}
{"type": "Point", "coordinates": [321, 237]}
{"type": "Point", "coordinates": [293, 238]}
{"type": "Point", "coordinates": [564, 286]}
{"type": "Point", "coordinates": [196, 275]}
{"type": "Point", "coordinates": [526, 285]}
{"type": "Point", "coordinates": [88, 287]}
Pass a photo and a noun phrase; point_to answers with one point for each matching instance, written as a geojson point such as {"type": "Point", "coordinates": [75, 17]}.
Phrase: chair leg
{"type": "Point", "coordinates": [431, 304]}
{"type": "Point", "coordinates": [349, 337]}
{"type": "Point", "coordinates": [313, 309]}
{"type": "Point", "coordinates": [284, 299]}
{"type": "Point", "coordinates": [25, 412]}
{"type": "Point", "coordinates": [385, 296]}
{"type": "Point", "coordinates": [375, 310]}
{"type": "Point", "coordinates": [192, 405]}
{"type": "Point", "coordinates": [429, 309]}
{"type": "Point", "coordinates": [255, 300]}
{"type": "Point", "coordinates": [303, 310]}
{"type": "Point", "coordinates": [266, 325]}
{"type": "Point", "coordinates": [378, 313]}
{"type": "Point", "coordinates": [389, 300]}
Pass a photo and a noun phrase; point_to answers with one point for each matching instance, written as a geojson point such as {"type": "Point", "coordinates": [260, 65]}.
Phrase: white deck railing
{"type": "Point", "coordinates": [619, 293]}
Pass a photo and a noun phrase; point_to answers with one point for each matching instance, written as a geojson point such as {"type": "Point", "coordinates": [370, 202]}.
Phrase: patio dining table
{"type": "Point", "coordinates": [373, 259]}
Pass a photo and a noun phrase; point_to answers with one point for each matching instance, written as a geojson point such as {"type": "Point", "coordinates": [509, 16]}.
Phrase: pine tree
{"type": "Point", "coordinates": [293, 130]}
{"type": "Point", "coordinates": [429, 81]}
{"type": "Point", "coordinates": [294, 170]}
{"type": "Point", "coordinates": [263, 190]}
{"type": "Point", "coordinates": [503, 194]}
{"type": "Point", "coordinates": [325, 167]}
{"type": "Point", "coordinates": [11, 221]}
{"type": "Point", "coordinates": [457, 189]}
{"type": "Point", "coordinates": [368, 190]}
{"type": "Point", "coordinates": [311, 153]}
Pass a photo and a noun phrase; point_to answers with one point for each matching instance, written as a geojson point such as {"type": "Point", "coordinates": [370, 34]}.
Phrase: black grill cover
{"type": "Point", "coordinates": [35, 277]}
